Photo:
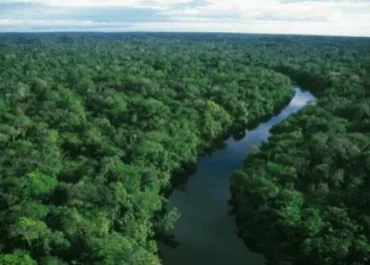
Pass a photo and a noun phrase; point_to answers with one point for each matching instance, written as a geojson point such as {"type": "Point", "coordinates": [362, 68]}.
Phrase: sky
{"type": "Point", "coordinates": [318, 17]}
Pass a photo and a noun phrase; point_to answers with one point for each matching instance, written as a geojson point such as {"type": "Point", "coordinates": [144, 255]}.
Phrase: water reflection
{"type": "Point", "coordinates": [206, 232]}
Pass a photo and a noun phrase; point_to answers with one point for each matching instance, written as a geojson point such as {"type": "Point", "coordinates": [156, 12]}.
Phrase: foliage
{"type": "Point", "coordinates": [303, 197]}
{"type": "Point", "coordinates": [92, 127]}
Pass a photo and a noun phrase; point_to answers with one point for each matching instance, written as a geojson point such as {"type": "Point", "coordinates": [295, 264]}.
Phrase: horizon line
{"type": "Point", "coordinates": [179, 32]}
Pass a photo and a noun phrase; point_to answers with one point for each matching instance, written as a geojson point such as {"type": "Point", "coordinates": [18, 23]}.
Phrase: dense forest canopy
{"type": "Point", "coordinates": [304, 196]}
{"type": "Point", "coordinates": [93, 125]}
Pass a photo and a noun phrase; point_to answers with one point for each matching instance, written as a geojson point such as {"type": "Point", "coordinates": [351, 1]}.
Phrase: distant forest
{"type": "Point", "coordinates": [93, 126]}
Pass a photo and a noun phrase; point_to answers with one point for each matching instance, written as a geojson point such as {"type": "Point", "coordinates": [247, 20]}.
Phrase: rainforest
{"type": "Point", "coordinates": [97, 130]}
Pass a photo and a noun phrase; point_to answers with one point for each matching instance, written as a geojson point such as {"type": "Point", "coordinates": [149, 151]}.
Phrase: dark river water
{"type": "Point", "coordinates": [206, 231]}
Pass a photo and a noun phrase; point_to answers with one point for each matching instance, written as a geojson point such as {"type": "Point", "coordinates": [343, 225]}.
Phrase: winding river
{"type": "Point", "coordinates": [206, 231]}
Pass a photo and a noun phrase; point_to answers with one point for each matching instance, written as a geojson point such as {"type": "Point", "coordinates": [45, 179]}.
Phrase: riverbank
{"type": "Point", "coordinates": [206, 232]}
{"type": "Point", "coordinates": [302, 198]}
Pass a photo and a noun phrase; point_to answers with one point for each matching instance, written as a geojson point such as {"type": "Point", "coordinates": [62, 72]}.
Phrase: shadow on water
{"type": "Point", "coordinates": [206, 233]}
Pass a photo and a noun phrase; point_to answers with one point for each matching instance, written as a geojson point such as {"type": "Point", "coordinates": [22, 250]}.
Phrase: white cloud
{"type": "Point", "coordinates": [191, 25]}
{"type": "Point", "coordinates": [325, 17]}
{"type": "Point", "coordinates": [341, 17]}
{"type": "Point", "coordinates": [43, 23]}
{"type": "Point", "coordinates": [278, 10]}
{"type": "Point", "coordinates": [155, 4]}
{"type": "Point", "coordinates": [269, 27]}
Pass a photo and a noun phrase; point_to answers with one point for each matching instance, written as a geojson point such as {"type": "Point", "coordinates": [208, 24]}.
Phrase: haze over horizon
{"type": "Point", "coordinates": [317, 17]}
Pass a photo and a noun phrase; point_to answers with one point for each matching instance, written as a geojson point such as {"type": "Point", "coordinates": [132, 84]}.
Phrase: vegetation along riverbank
{"type": "Point", "coordinates": [93, 125]}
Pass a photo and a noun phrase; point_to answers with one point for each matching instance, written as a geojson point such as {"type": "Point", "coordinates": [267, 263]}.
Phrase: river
{"type": "Point", "coordinates": [206, 231]}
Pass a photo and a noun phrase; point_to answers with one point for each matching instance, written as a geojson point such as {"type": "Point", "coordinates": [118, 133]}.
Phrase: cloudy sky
{"type": "Point", "coordinates": [322, 17]}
